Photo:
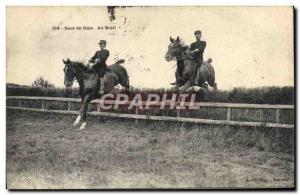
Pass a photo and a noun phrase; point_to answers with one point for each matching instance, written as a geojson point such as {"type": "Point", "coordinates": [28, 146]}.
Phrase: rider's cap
{"type": "Point", "coordinates": [102, 42]}
{"type": "Point", "coordinates": [197, 32]}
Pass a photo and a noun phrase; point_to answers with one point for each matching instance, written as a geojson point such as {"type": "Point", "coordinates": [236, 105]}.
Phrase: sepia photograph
{"type": "Point", "coordinates": [150, 98]}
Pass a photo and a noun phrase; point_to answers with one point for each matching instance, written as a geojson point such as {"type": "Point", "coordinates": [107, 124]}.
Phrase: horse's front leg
{"type": "Point", "coordinates": [79, 117]}
{"type": "Point", "coordinates": [187, 85]}
{"type": "Point", "coordinates": [76, 122]}
{"type": "Point", "coordinates": [85, 105]}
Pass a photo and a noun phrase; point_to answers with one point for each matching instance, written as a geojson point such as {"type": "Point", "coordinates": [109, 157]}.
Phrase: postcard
{"type": "Point", "coordinates": [150, 97]}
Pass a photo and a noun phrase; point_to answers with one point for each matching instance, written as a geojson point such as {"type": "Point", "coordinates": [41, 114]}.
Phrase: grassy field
{"type": "Point", "coordinates": [46, 152]}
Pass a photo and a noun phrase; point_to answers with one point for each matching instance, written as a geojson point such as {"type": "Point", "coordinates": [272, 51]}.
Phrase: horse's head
{"type": "Point", "coordinates": [174, 49]}
{"type": "Point", "coordinates": [70, 73]}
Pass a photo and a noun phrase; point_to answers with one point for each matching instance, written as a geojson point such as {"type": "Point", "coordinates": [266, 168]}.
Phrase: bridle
{"type": "Point", "coordinates": [176, 58]}
{"type": "Point", "coordinates": [76, 77]}
{"type": "Point", "coordinates": [180, 57]}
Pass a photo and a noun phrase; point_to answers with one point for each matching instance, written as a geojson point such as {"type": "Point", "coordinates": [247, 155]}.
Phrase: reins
{"type": "Point", "coordinates": [78, 76]}
{"type": "Point", "coordinates": [176, 58]}
{"type": "Point", "coordinates": [179, 57]}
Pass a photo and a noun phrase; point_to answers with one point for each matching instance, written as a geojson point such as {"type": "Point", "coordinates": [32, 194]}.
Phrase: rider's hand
{"type": "Point", "coordinates": [89, 65]}
{"type": "Point", "coordinates": [187, 52]}
{"type": "Point", "coordinates": [193, 51]}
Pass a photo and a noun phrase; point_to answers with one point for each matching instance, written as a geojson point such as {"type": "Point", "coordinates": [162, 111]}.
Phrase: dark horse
{"type": "Point", "coordinates": [178, 51]}
{"type": "Point", "coordinates": [89, 83]}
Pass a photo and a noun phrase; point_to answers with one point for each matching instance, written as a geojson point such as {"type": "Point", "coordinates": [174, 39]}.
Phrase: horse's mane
{"type": "Point", "coordinates": [80, 65]}
{"type": "Point", "coordinates": [183, 44]}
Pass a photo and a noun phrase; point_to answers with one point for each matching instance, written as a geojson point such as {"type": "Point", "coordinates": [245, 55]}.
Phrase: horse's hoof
{"type": "Point", "coordinates": [75, 124]}
{"type": "Point", "coordinates": [82, 127]}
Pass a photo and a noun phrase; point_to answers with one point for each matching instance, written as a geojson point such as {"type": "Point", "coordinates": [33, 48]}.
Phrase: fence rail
{"type": "Point", "coordinates": [137, 116]}
{"type": "Point", "coordinates": [168, 102]}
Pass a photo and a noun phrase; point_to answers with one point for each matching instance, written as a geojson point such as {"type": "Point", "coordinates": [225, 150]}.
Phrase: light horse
{"type": "Point", "coordinates": [177, 51]}
{"type": "Point", "coordinates": [89, 83]}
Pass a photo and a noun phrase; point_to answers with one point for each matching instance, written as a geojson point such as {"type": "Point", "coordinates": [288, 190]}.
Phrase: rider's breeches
{"type": "Point", "coordinates": [198, 65]}
{"type": "Point", "coordinates": [100, 69]}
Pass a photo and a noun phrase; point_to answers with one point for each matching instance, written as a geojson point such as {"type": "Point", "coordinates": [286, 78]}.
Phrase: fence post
{"type": "Point", "coordinates": [136, 112]}
{"type": "Point", "coordinates": [246, 111]}
{"type": "Point", "coordinates": [261, 115]}
{"type": "Point", "coordinates": [19, 103]}
{"type": "Point", "coordinates": [228, 117]}
{"type": "Point", "coordinates": [43, 106]}
{"type": "Point", "coordinates": [277, 115]}
{"type": "Point", "coordinates": [98, 107]}
{"type": "Point", "coordinates": [178, 113]}
{"type": "Point", "coordinates": [69, 106]}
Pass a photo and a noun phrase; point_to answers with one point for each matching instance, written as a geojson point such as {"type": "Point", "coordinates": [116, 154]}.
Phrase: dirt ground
{"type": "Point", "coordinates": [46, 152]}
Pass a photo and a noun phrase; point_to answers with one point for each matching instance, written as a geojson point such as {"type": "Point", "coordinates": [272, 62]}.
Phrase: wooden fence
{"type": "Point", "coordinates": [138, 116]}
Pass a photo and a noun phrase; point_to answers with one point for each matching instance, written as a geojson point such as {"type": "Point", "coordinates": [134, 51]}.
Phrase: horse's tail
{"type": "Point", "coordinates": [121, 61]}
{"type": "Point", "coordinates": [121, 72]}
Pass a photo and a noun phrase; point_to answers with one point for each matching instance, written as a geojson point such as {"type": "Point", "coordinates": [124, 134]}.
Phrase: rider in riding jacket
{"type": "Point", "coordinates": [98, 63]}
{"type": "Point", "coordinates": [197, 49]}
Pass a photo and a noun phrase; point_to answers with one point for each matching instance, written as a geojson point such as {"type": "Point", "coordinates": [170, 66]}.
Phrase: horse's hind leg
{"type": "Point", "coordinates": [127, 86]}
{"type": "Point", "coordinates": [215, 86]}
{"type": "Point", "coordinates": [212, 83]}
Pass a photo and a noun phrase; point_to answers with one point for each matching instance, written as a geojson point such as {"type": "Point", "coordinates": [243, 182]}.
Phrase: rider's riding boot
{"type": "Point", "coordinates": [195, 77]}
{"type": "Point", "coordinates": [101, 90]}
{"type": "Point", "coordinates": [197, 67]}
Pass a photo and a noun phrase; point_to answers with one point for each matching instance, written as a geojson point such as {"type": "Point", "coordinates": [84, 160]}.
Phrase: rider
{"type": "Point", "coordinates": [197, 49]}
{"type": "Point", "coordinates": [98, 62]}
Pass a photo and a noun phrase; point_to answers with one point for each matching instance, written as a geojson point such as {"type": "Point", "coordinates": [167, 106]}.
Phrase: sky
{"type": "Point", "coordinates": [250, 46]}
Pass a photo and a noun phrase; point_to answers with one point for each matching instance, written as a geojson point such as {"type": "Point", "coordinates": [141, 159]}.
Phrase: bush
{"type": "Point", "coordinates": [41, 82]}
